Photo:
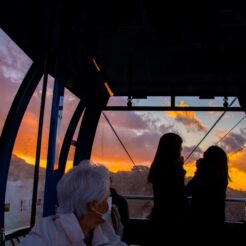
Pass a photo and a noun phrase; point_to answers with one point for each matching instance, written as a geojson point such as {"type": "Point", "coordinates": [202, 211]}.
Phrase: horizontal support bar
{"type": "Point", "coordinates": [228, 199]}
{"type": "Point", "coordinates": [160, 108]}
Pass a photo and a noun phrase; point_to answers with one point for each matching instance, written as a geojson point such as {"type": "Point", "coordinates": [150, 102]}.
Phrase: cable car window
{"type": "Point", "coordinates": [18, 199]}
{"type": "Point", "coordinates": [205, 101]}
{"type": "Point", "coordinates": [14, 64]}
{"type": "Point", "coordinates": [140, 101]}
{"type": "Point", "coordinates": [126, 142]}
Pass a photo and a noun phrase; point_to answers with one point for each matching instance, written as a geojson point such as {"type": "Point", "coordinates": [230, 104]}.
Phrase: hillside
{"type": "Point", "coordinates": [134, 182]}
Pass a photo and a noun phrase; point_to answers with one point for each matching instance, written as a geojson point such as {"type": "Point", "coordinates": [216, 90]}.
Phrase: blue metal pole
{"type": "Point", "coordinates": [51, 179]}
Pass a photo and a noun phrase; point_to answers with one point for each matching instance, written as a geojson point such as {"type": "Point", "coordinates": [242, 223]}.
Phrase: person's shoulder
{"type": "Point", "coordinates": [39, 233]}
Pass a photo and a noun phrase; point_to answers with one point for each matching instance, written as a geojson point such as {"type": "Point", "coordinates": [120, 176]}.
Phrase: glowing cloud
{"type": "Point", "coordinates": [237, 179]}
{"type": "Point", "coordinates": [237, 160]}
{"type": "Point", "coordinates": [187, 118]}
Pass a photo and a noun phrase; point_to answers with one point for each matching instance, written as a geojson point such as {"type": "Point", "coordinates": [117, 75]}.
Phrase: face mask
{"type": "Point", "coordinates": [106, 216]}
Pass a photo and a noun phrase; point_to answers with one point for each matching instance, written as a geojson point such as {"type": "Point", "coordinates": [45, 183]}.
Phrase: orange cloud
{"type": "Point", "coordinates": [237, 160]}
{"type": "Point", "coordinates": [237, 170]}
{"type": "Point", "coordinates": [122, 163]}
{"type": "Point", "coordinates": [237, 179]}
{"type": "Point", "coordinates": [114, 165]}
{"type": "Point", "coordinates": [27, 136]}
{"type": "Point", "coordinates": [190, 169]}
{"type": "Point", "coordinates": [187, 118]}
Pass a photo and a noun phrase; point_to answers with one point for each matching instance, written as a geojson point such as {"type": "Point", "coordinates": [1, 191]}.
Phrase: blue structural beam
{"type": "Point", "coordinates": [12, 124]}
{"type": "Point", "coordinates": [51, 176]}
{"type": "Point", "coordinates": [88, 128]}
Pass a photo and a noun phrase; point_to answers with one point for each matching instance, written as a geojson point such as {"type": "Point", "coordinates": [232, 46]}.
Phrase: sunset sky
{"type": "Point", "coordinates": [139, 131]}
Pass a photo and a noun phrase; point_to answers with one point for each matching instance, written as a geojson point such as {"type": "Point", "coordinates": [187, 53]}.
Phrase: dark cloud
{"type": "Point", "coordinates": [233, 142]}
{"type": "Point", "coordinates": [163, 128]}
{"type": "Point", "coordinates": [141, 145]}
{"type": "Point", "coordinates": [130, 120]}
{"type": "Point", "coordinates": [243, 131]}
{"type": "Point", "coordinates": [140, 133]}
{"type": "Point", "coordinates": [192, 124]}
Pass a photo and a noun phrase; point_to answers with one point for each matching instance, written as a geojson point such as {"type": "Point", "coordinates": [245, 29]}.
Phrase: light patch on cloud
{"type": "Point", "coordinates": [13, 74]}
{"type": "Point", "coordinates": [188, 119]}
{"type": "Point", "coordinates": [13, 61]}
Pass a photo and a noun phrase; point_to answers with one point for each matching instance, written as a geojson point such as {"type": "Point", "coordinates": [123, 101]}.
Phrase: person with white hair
{"type": "Point", "coordinates": [80, 220]}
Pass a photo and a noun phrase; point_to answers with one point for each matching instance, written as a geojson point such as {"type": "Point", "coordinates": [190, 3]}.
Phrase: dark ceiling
{"type": "Point", "coordinates": [143, 47]}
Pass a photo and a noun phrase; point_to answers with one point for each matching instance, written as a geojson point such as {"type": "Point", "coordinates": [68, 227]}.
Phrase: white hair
{"type": "Point", "coordinates": [82, 184]}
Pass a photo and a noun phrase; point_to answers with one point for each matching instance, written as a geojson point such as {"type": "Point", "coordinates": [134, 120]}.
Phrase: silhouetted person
{"type": "Point", "coordinates": [208, 192]}
{"type": "Point", "coordinates": [170, 202]}
{"type": "Point", "coordinates": [122, 206]}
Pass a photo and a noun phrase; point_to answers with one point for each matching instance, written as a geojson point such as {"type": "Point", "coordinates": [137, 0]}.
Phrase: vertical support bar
{"type": "Point", "coordinates": [38, 147]}
{"type": "Point", "coordinates": [12, 125]}
{"type": "Point", "coordinates": [68, 138]}
{"type": "Point", "coordinates": [172, 101]}
{"type": "Point", "coordinates": [242, 101]}
{"type": "Point", "coordinates": [88, 128]}
{"type": "Point", "coordinates": [50, 181]}
{"type": "Point", "coordinates": [2, 237]}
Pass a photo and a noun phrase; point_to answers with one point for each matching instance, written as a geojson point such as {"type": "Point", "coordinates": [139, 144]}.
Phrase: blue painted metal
{"type": "Point", "coordinates": [68, 137]}
{"type": "Point", "coordinates": [88, 128]}
{"type": "Point", "coordinates": [12, 124]}
{"type": "Point", "coordinates": [51, 176]}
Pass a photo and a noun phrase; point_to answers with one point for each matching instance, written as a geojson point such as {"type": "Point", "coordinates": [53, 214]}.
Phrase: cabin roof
{"type": "Point", "coordinates": [143, 47]}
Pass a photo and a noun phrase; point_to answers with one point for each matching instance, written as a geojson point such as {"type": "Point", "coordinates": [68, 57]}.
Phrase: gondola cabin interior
{"type": "Point", "coordinates": [103, 80]}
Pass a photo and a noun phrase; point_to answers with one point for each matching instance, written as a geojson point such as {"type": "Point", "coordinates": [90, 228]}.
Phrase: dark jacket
{"type": "Point", "coordinates": [122, 206]}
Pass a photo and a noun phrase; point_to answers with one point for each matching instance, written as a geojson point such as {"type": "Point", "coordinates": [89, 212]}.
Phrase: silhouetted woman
{"type": "Point", "coordinates": [208, 191]}
{"type": "Point", "coordinates": [167, 178]}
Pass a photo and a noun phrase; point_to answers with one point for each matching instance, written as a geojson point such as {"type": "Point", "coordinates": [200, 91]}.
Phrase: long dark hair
{"type": "Point", "coordinates": [168, 151]}
{"type": "Point", "coordinates": [215, 160]}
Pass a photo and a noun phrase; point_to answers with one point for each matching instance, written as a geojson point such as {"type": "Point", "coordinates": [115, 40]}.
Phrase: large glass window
{"type": "Point", "coordinates": [14, 64]}
{"type": "Point", "coordinates": [140, 133]}
{"type": "Point", "coordinates": [18, 198]}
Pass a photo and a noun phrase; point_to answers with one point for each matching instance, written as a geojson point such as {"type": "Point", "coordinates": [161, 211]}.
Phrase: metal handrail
{"type": "Point", "coordinates": [168, 108]}
{"type": "Point", "coordinates": [19, 232]}
{"type": "Point", "coordinates": [140, 197]}
{"type": "Point", "coordinates": [24, 230]}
